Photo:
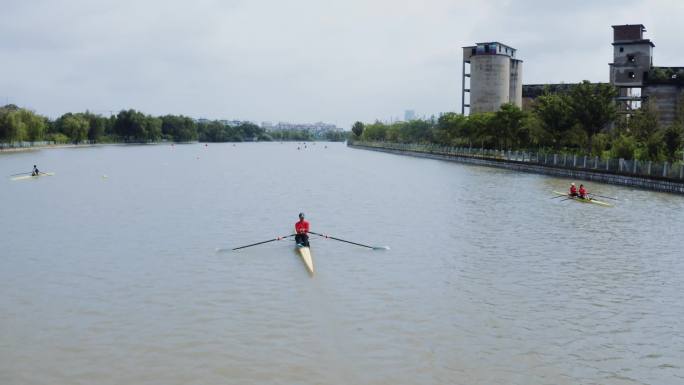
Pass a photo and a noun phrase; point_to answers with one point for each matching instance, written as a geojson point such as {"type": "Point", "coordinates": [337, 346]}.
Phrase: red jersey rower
{"type": "Point", "coordinates": [583, 192]}
{"type": "Point", "coordinates": [573, 190]}
{"type": "Point", "coordinates": [302, 229]}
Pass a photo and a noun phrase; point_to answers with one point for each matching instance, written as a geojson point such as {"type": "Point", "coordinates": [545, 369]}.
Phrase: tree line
{"type": "Point", "coordinates": [131, 126]}
{"type": "Point", "coordinates": [583, 120]}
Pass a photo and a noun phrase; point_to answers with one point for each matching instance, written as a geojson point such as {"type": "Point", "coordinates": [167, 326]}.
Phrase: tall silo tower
{"type": "Point", "coordinates": [632, 60]}
{"type": "Point", "coordinates": [495, 77]}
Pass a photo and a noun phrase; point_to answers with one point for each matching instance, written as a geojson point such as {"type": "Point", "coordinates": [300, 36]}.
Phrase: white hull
{"type": "Point", "coordinates": [305, 253]}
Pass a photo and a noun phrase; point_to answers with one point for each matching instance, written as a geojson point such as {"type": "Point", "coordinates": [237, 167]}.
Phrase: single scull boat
{"type": "Point", "coordinates": [24, 177]}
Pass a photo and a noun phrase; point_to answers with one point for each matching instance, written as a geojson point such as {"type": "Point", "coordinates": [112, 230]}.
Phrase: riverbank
{"type": "Point", "coordinates": [45, 147]}
{"type": "Point", "coordinates": [571, 167]}
{"type": "Point", "coordinates": [82, 145]}
{"type": "Point", "coordinates": [51, 146]}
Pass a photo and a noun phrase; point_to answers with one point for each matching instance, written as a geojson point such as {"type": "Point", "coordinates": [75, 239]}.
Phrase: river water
{"type": "Point", "coordinates": [117, 279]}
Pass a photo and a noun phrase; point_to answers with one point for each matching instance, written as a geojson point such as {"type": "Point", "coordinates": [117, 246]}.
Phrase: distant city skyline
{"type": "Point", "coordinates": [338, 61]}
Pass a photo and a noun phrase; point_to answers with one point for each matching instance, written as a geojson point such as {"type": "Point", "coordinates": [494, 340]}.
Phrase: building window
{"type": "Point", "coordinates": [632, 75]}
{"type": "Point", "coordinates": [631, 58]}
{"type": "Point", "coordinates": [622, 49]}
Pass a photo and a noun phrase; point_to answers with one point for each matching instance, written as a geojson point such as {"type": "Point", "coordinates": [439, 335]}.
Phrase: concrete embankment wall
{"type": "Point", "coordinates": [612, 178]}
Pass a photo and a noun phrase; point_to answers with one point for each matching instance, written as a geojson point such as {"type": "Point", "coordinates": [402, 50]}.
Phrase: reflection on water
{"type": "Point", "coordinates": [488, 281]}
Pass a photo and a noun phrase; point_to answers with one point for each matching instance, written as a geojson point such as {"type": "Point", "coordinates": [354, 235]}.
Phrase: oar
{"type": "Point", "coordinates": [22, 173]}
{"type": "Point", "coordinates": [353, 243]}
{"type": "Point", "coordinates": [261, 243]}
{"type": "Point", "coordinates": [601, 196]}
{"type": "Point", "coordinates": [558, 196]}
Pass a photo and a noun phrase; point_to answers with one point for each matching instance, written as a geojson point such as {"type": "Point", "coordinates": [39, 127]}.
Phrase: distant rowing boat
{"type": "Point", "coordinates": [25, 177]}
{"type": "Point", "coordinates": [583, 200]}
{"type": "Point", "coordinates": [305, 253]}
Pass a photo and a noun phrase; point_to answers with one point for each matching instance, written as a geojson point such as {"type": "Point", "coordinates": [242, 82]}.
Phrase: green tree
{"type": "Point", "coordinates": [509, 124]}
{"type": "Point", "coordinates": [593, 107]}
{"type": "Point", "coordinates": [96, 126]}
{"type": "Point", "coordinates": [416, 131]}
{"type": "Point", "coordinates": [643, 123]}
{"type": "Point", "coordinates": [357, 129]}
{"type": "Point", "coordinates": [623, 147]}
{"type": "Point", "coordinates": [393, 133]}
{"type": "Point", "coordinates": [110, 127]}
{"type": "Point", "coordinates": [555, 116]}
{"type": "Point", "coordinates": [482, 129]}
{"type": "Point", "coordinates": [601, 143]}
{"type": "Point", "coordinates": [17, 124]}
{"type": "Point", "coordinates": [375, 132]}
{"type": "Point", "coordinates": [539, 137]}
{"type": "Point", "coordinates": [74, 126]}
{"type": "Point", "coordinates": [250, 131]}
{"type": "Point", "coordinates": [653, 148]}
{"type": "Point", "coordinates": [57, 138]}
{"type": "Point", "coordinates": [152, 129]}
{"type": "Point", "coordinates": [35, 126]}
{"type": "Point", "coordinates": [132, 126]}
{"type": "Point", "coordinates": [215, 131]}
{"type": "Point", "coordinates": [179, 128]}
{"type": "Point", "coordinates": [50, 127]}
{"type": "Point", "coordinates": [673, 137]}
{"type": "Point", "coordinates": [450, 129]}
{"type": "Point", "coordinates": [576, 139]}
{"type": "Point", "coordinates": [12, 128]}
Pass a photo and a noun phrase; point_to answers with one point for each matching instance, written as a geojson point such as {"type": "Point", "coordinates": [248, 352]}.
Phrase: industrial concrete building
{"type": "Point", "coordinates": [639, 81]}
{"type": "Point", "coordinates": [632, 72]}
{"type": "Point", "coordinates": [632, 60]}
{"type": "Point", "coordinates": [492, 76]}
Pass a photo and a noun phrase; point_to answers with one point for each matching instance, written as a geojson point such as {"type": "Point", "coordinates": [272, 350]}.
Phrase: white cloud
{"type": "Point", "coordinates": [302, 60]}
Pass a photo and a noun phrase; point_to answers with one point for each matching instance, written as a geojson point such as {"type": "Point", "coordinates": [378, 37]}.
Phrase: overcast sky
{"type": "Point", "coordinates": [299, 60]}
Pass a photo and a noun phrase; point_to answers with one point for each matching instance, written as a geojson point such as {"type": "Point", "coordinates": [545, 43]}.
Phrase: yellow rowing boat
{"type": "Point", "coordinates": [583, 200]}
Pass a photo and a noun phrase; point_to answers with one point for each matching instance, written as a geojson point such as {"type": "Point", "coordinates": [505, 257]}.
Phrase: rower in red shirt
{"type": "Point", "coordinates": [573, 190]}
{"type": "Point", "coordinates": [583, 192]}
{"type": "Point", "coordinates": [302, 229]}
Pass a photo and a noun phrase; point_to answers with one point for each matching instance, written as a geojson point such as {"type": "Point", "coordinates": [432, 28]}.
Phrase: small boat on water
{"type": "Point", "coordinates": [584, 200]}
{"type": "Point", "coordinates": [25, 177]}
{"type": "Point", "coordinates": [305, 253]}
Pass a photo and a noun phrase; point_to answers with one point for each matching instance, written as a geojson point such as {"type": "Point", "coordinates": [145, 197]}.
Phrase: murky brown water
{"type": "Point", "coordinates": [488, 281]}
